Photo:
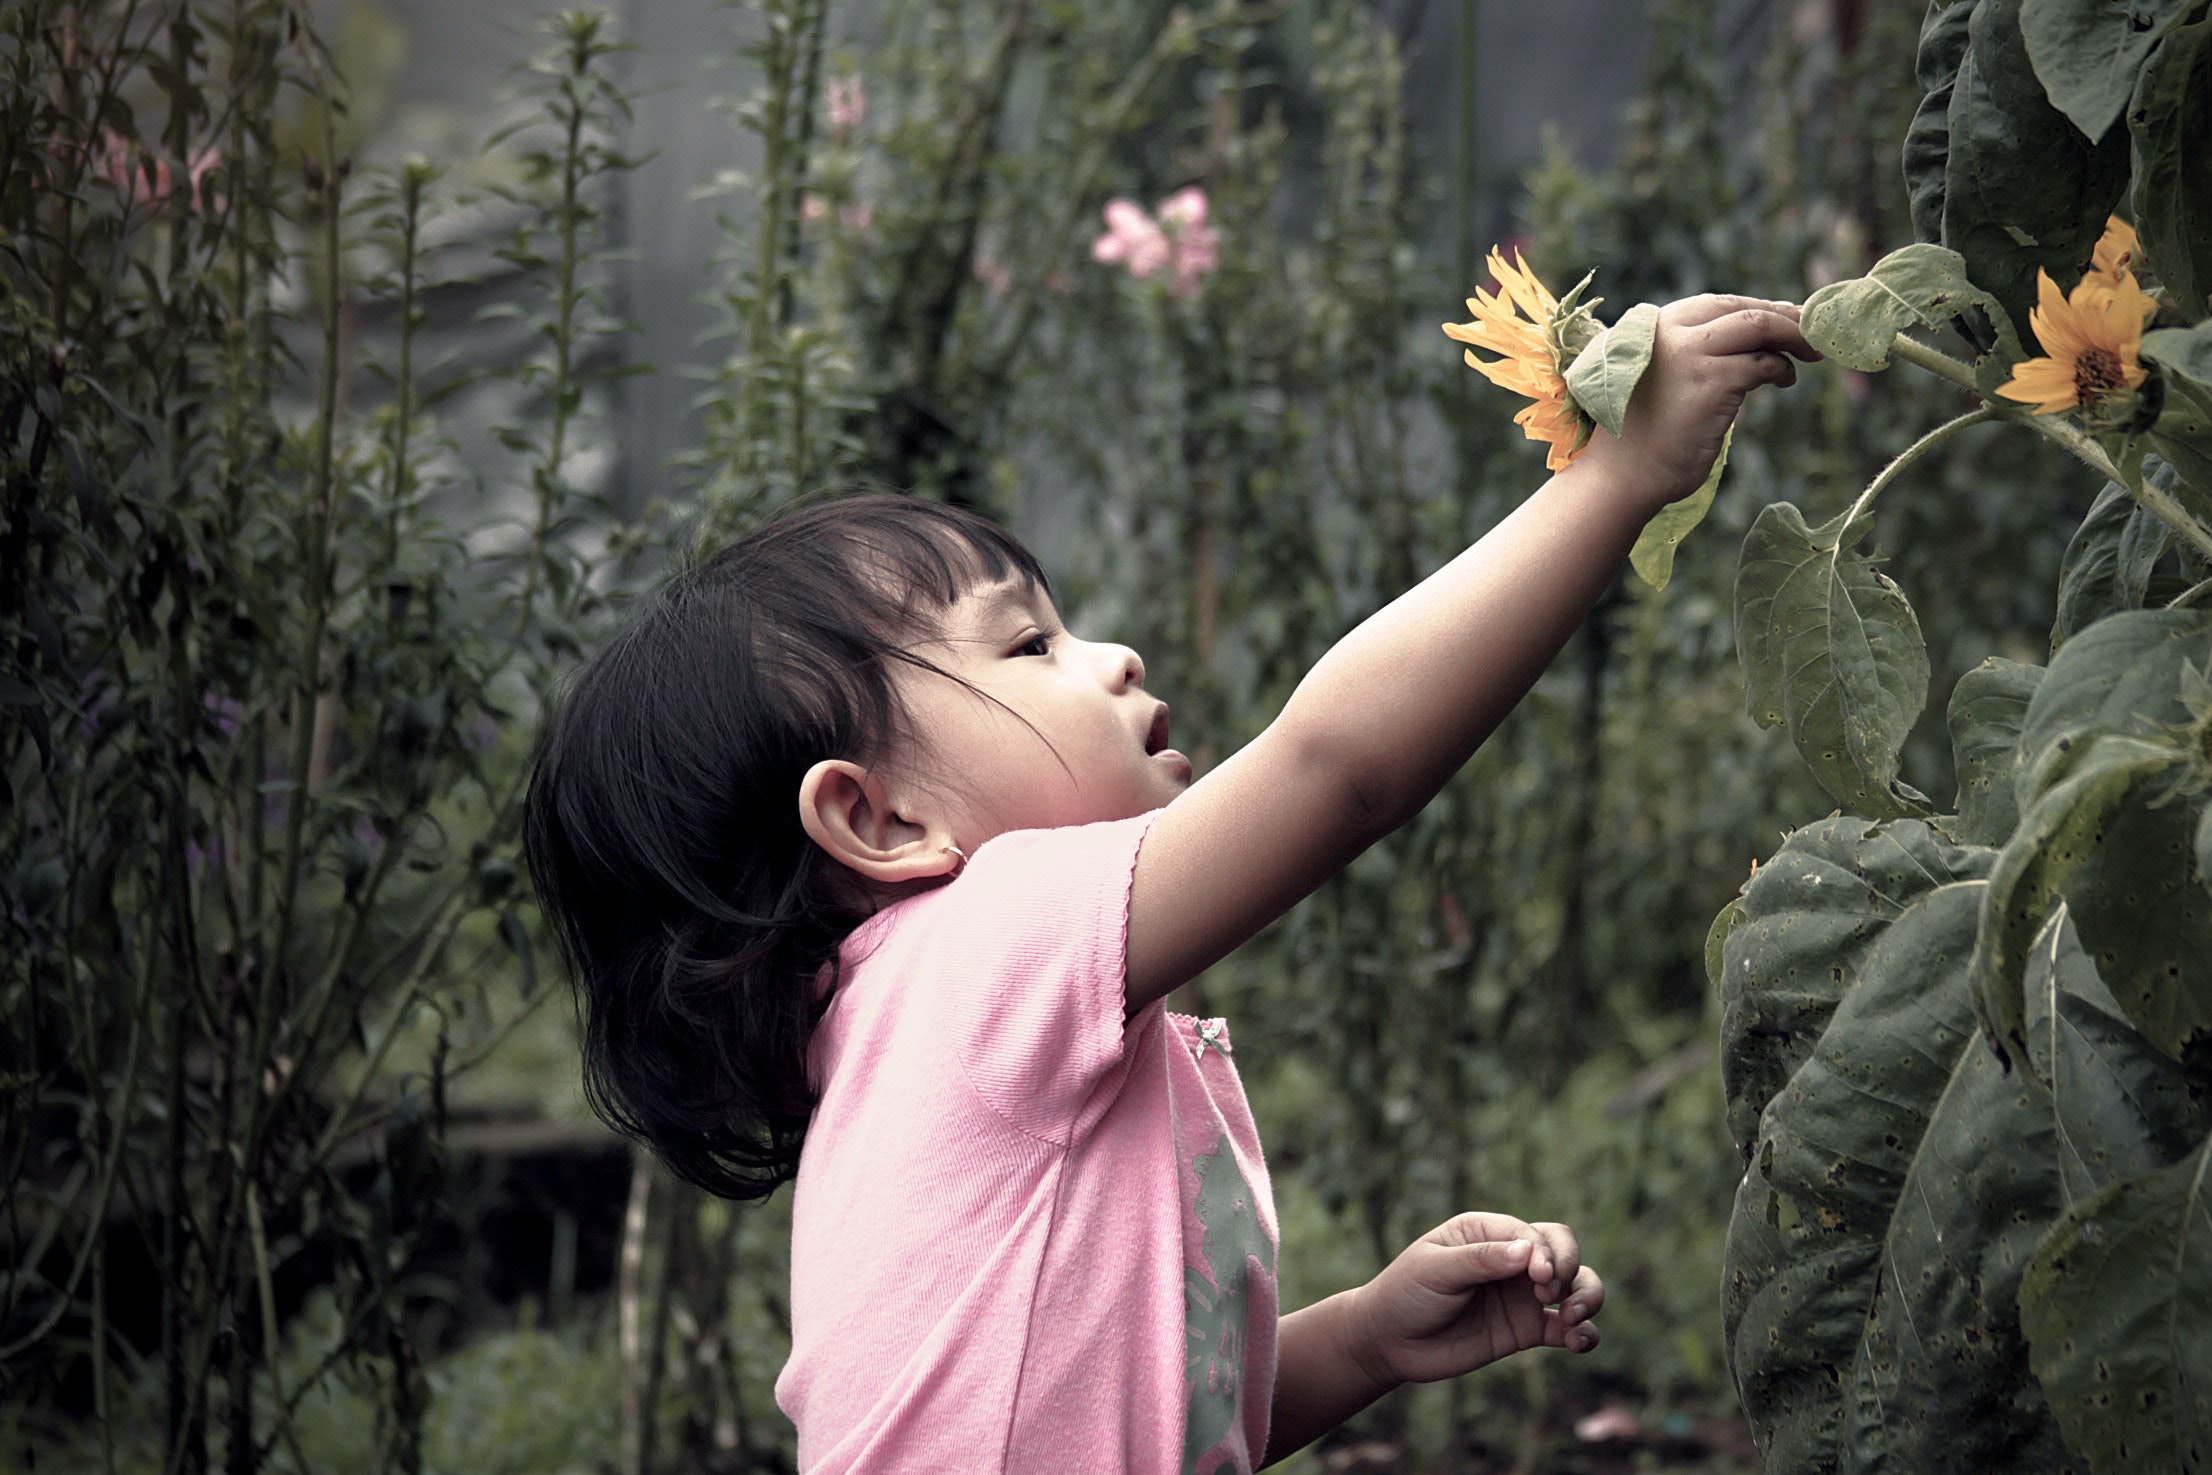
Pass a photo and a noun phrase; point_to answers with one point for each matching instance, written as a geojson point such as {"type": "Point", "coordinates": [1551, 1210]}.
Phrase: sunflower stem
{"type": "Point", "coordinates": [1914, 452]}
{"type": "Point", "coordinates": [2190, 595]}
{"type": "Point", "coordinates": [2077, 442]}
{"type": "Point", "coordinates": [1934, 360]}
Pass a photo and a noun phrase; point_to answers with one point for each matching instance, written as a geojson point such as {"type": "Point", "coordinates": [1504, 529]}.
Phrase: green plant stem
{"type": "Point", "coordinates": [1912, 453]}
{"type": "Point", "coordinates": [309, 680]}
{"type": "Point", "coordinates": [2190, 595]}
{"type": "Point", "coordinates": [2078, 443]}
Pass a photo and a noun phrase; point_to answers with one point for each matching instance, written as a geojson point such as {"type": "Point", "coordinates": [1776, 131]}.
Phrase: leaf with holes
{"type": "Point", "coordinates": [2117, 1306]}
{"type": "Point", "coordinates": [1987, 707]}
{"type": "Point", "coordinates": [1917, 286]}
{"type": "Point", "coordinates": [2057, 836]}
{"type": "Point", "coordinates": [1830, 648]}
{"type": "Point", "coordinates": [2087, 53]}
{"type": "Point", "coordinates": [1898, 1183]}
{"type": "Point", "coordinates": [1796, 939]}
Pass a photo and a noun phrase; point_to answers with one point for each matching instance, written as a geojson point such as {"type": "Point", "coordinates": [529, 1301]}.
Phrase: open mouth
{"type": "Point", "coordinates": [1155, 741]}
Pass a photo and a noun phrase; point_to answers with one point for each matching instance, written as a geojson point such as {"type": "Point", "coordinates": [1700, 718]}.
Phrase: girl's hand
{"type": "Point", "coordinates": [1472, 1290]}
{"type": "Point", "coordinates": [1709, 352]}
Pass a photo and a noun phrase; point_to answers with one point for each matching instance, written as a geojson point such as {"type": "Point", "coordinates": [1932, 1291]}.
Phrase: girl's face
{"type": "Point", "coordinates": [1056, 731]}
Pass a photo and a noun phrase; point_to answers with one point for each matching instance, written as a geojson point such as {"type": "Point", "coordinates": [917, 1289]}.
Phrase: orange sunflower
{"type": "Point", "coordinates": [2091, 336]}
{"type": "Point", "coordinates": [2116, 252]}
{"type": "Point", "coordinates": [1531, 354]}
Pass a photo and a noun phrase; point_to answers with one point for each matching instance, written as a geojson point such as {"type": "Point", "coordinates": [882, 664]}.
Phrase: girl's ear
{"type": "Point", "coordinates": [846, 810]}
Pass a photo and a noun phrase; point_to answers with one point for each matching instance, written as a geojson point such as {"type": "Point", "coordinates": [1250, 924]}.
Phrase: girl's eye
{"type": "Point", "coordinates": [1035, 645]}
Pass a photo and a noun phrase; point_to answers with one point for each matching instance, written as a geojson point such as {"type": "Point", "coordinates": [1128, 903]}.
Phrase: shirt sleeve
{"type": "Point", "coordinates": [1034, 962]}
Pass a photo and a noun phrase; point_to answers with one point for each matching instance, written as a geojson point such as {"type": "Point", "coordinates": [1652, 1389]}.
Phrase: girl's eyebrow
{"type": "Point", "coordinates": [1008, 598]}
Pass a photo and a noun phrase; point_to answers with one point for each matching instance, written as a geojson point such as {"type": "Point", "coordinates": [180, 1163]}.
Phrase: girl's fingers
{"type": "Point", "coordinates": [1462, 1267]}
{"type": "Point", "coordinates": [1562, 1259]}
{"type": "Point", "coordinates": [1754, 330]}
{"type": "Point", "coordinates": [1692, 312]}
{"type": "Point", "coordinates": [1585, 1299]}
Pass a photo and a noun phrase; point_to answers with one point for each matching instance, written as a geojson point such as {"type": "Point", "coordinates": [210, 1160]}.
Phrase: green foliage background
{"type": "Point", "coordinates": [273, 660]}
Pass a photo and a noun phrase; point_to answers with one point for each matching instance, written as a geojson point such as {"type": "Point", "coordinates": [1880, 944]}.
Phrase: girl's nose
{"type": "Point", "coordinates": [1126, 667]}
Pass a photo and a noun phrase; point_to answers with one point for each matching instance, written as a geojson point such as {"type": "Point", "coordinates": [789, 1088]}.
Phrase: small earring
{"type": "Point", "coordinates": [956, 850]}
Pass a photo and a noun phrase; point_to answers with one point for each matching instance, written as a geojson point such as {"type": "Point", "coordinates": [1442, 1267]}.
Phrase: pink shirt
{"type": "Point", "coordinates": [1026, 1236]}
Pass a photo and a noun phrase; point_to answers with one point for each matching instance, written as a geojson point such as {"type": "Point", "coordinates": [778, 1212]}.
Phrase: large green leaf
{"type": "Point", "coordinates": [1916, 286]}
{"type": "Point", "coordinates": [2146, 920]}
{"type": "Point", "coordinates": [1830, 648]}
{"type": "Point", "coordinates": [1604, 375]}
{"type": "Point", "coordinates": [2123, 674]}
{"type": "Point", "coordinates": [2120, 1106]}
{"type": "Point", "coordinates": [2107, 565]}
{"type": "Point", "coordinates": [2117, 1306]}
{"type": "Point", "coordinates": [2023, 189]}
{"type": "Point", "coordinates": [2169, 121]}
{"type": "Point", "coordinates": [2184, 358]}
{"type": "Point", "coordinates": [2182, 437]}
{"type": "Point", "coordinates": [2087, 52]}
{"type": "Point", "coordinates": [1653, 555]}
{"type": "Point", "coordinates": [2057, 836]}
{"type": "Point", "coordinates": [1898, 1183]}
{"type": "Point", "coordinates": [1795, 940]}
{"type": "Point", "coordinates": [1987, 708]}
{"type": "Point", "coordinates": [1928, 140]}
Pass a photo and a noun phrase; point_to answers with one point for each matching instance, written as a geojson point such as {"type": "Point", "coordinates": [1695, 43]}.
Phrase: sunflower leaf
{"type": "Point", "coordinates": [1831, 649]}
{"type": "Point", "coordinates": [2023, 189]}
{"type": "Point", "coordinates": [1928, 140]}
{"type": "Point", "coordinates": [1653, 555]}
{"type": "Point", "coordinates": [2169, 118]}
{"type": "Point", "coordinates": [1603, 376]}
{"type": "Point", "coordinates": [2107, 564]}
{"type": "Point", "coordinates": [2117, 1307]}
{"type": "Point", "coordinates": [1916, 286]}
{"type": "Point", "coordinates": [1987, 708]}
{"type": "Point", "coordinates": [2066, 826]}
{"type": "Point", "coordinates": [1899, 1180]}
{"type": "Point", "coordinates": [2087, 53]}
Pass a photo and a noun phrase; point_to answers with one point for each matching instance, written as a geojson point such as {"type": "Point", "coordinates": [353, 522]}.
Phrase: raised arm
{"type": "Point", "coordinates": [1390, 713]}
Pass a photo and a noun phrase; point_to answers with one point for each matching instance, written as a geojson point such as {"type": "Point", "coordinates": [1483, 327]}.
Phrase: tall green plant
{"type": "Point", "coordinates": [258, 816]}
{"type": "Point", "coordinates": [1966, 1051]}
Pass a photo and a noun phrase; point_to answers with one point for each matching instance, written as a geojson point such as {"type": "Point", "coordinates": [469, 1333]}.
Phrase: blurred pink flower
{"type": "Point", "coordinates": [1197, 246]}
{"type": "Point", "coordinates": [1179, 242]}
{"type": "Point", "coordinates": [848, 105]}
{"type": "Point", "coordinates": [119, 163]}
{"type": "Point", "coordinates": [859, 217]}
{"type": "Point", "coordinates": [1132, 239]}
{"type": "Point", "coordinates": [993, 273]}
{"type": "Point", "coordinates": [812, 207]}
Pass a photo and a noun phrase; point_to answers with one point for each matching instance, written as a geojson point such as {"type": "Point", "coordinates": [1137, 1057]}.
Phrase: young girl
{"type": "Point", "coordinates": [873, 876]}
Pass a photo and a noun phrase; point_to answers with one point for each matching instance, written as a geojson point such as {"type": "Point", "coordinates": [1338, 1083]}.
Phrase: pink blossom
{"type": "Point", "coordinates": [848, 105]}
{"type": "Point", "coordinates": [119, 163]}
{"type": "Point", "coordinates": [1131, 239]}
{"type": "Point", "coordinates": [812, 207]}
{"type": "Point", "coordinates": [1180, 241]}
{"type": "Point", "coordinates": [993, 273]}
{"type": "Point", "coordinates": [1197, 246]}
{"type": "Point", "coordinates": [859, 217]}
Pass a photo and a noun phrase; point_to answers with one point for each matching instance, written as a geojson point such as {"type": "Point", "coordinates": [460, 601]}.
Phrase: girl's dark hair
{"type": "Point", "coordinates": [699, 922]}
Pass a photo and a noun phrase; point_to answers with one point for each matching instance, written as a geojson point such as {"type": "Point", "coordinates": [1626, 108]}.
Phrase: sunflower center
{"type": "Point", "coordinates": [2097, 373]}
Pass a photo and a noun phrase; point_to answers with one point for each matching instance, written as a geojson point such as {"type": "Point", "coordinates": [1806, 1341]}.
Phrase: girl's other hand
{"type": "Point", "coordinates": [1709, 352]}
{"type": "Point", "coordinates": [1472, 1290]}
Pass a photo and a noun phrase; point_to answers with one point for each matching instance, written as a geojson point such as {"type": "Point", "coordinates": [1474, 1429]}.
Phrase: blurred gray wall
{"type": "Point", "coordinates": [1565, 64]}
